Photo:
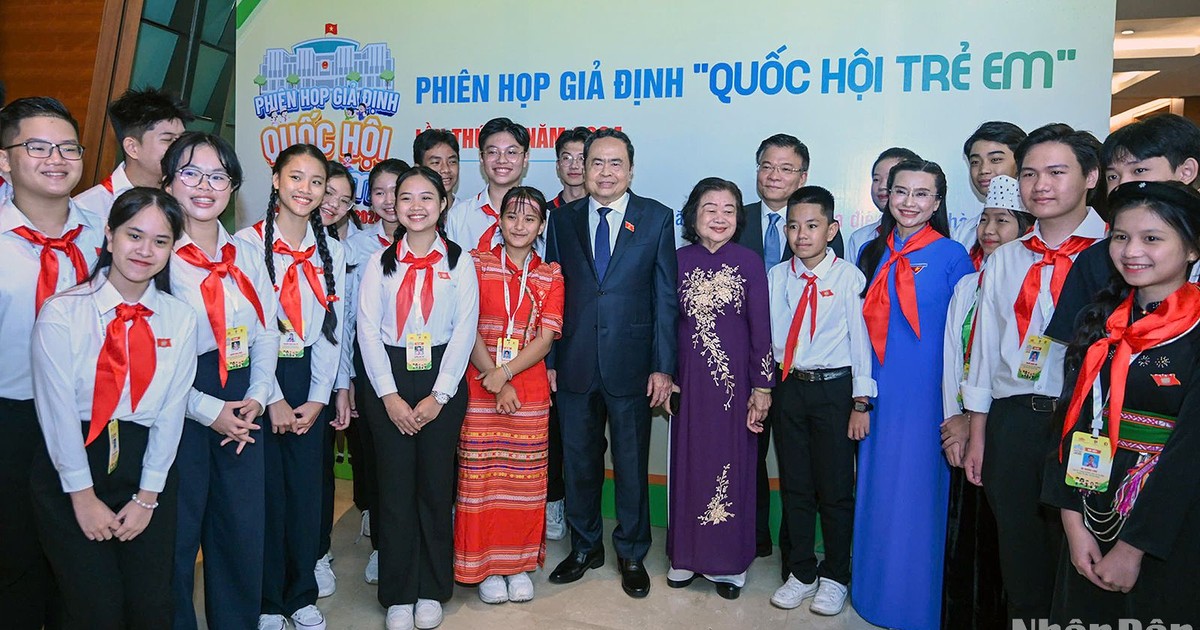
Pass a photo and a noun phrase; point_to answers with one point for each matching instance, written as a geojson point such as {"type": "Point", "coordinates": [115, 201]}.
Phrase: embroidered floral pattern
{"type": "Point", "coordinates": [706, 294]}
{"type": "Point", "coordinates": [1162, 362]}
{"type": "Point", "coordinates": [768, 368]}
{"type": "Point", "coordinates": [1143, 361]}
{"type": "Point", "coordinates": [718, 507]}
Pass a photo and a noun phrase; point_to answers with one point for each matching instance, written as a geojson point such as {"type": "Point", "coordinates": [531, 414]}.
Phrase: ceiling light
{"type": "Point", "coordinates": [1127, 31]}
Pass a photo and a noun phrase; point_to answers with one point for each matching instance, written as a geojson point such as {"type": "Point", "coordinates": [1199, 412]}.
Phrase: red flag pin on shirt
{"type": "Point", "coordinates": [1165, 380]}
{"type": "Point", "coordinates": [826, 293]}
{"type": "Point", "coordinates": [629, 226]}
{"type": "Point", "coordinates": [164, 342]}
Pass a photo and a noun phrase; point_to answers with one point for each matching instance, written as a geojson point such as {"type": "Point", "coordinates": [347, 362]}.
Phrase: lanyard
{"type": "Point", "coordinates": [509, 311]}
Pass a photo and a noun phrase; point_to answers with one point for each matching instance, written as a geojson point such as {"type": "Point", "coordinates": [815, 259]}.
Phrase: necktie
{"type": "Point", "coordinates": [600, 249]}
{"type": "Point", "coordinates": [383, 241]}
{"type": "Point", "coordinates": [877, 303]}
{"type": "Point", "coordinates": [1175, 316]}
{"type": "Point", "coordinates": [1060, 259]}
{"type": "Point", "coordinates": [289, 294]}
{"type": "Point", "coordinates": [772, 252]}
{"type": "Point", "coordinates": [808, 301]}
{"type": "Point", "coordinates": [485, 241]}
{"type": "Point", "coordinates": [114, 364]}
{"type": "Point", "coordinates": [213, 291]}
{"type": "Point", "coordinates": [408, 286]}
{"type": "Point", "coordinates": [48, 275]}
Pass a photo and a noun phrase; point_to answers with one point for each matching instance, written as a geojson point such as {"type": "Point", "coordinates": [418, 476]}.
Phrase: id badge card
{"type": "Point", "coordinates": [237, 348]}
{"type": "Point", "coordinates": [114, 445]}
{"type": "Point", "coordinates": [291, 346]}
{"type": "Point", "coordinates": [417, 353]}
{"type": "Point", "coordinates": [506, 350]}
{"type": "Point", "coordinates": [1090, 463]}
{"type": "Point", "coordinates": [1033, 357]}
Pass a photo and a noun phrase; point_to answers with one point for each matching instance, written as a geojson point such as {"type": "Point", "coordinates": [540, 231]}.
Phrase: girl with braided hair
{"type": "Point", "coordinates": [306, 268]}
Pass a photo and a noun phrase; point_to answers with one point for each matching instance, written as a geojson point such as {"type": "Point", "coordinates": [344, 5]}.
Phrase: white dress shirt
{"type": "Point", "coordinates": [99, 199]}
{"type": "Point", "coordinates": [326, 357]}
{"type": "Point", "coordinates": [67, 339]}
{"type": "Point", "coordinates": [466, 221]}
{"type": "Point", "coordinates": [18, 286]}
{"type": "Point", "coordinates": [263, 339]}
{"type": "Point", "coordinates": [966, 231]}
{"type": "Point", "coordinates": [780, 227]}
{"type": "Point", "coordinates": [997, 352]}
{"type": "Point", "coordinates": [860, 237]}
{"type": "Point", "coordinates": [616, 221]}
{"type": "Point", "coordinates": [841, 338]}
{"type": "Point", "coordinates": [359, 249]}
{"type": "Point", "coordinates": [966, 293]}
{"type": "Point", "coordinates": [5, 190]}
{"type": "Point", "coordinates": [453, 321]}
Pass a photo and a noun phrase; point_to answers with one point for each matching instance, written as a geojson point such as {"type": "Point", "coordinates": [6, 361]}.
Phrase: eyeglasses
{"type": "Point", "coordinates": [512, 153]}
{"type": "Point", "coordinates": [192, 177]}
{"type": "Point", "coordinates": [567, 158]}
{"type": "Point", "coordinates": [40, 149]}
{"type": "Point", "coordinates": [782, 169]}
{"type": "Point", "coordinates": [339, 202]}
{"type": "Point", "coordinates": [921, 195]}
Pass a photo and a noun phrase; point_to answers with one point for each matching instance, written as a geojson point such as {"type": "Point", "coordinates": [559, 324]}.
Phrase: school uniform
{"type": "Point", "coordinates": [111, 381]}
{"type": "Point", "coordinates": [819, 339]}
{"type": "Point", "coordinates": [5, 190]}
{"type": "Point", "coordinates": [222, 503]}
{"type": "Point", "coordinates": [416, 474]}
{"type": "Point", "coordinates": [359, 248]}
{"type": "Point", "coordinates": [99, 198]}
{"type": "Point", "coordinates": [1016, 378]}
{"type": "Point", "coordinates": [26, 585]}
{"type": "Point", "coordinates": [472, 223]}
{"type": "Point", "coordinates": [859, 238]}
{"type": "Point", "coordinates": [306, 371]}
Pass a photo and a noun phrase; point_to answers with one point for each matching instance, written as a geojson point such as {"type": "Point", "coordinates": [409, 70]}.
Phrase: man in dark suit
{"type": "Point", "coordinates": [782, 163]}
{"type": "Point", "coordinates": [616, 354]}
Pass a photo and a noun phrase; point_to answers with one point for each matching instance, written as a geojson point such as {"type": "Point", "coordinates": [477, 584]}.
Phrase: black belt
{"type": "Point", "coordinates": [819, 376]}
{"type": "Point", "coordinates": [1036, 402]}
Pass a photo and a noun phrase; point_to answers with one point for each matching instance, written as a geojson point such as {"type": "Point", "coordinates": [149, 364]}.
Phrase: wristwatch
{"type": "Point", "coordinates": [441, 397]}
{"type": "Point", "coordinates": [862, 406]}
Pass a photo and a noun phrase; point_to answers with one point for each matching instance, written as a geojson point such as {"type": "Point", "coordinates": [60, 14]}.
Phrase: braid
{"type": "Point", "coordinates": [1090, 325]}
{"type": "Point", "coordinates": [327, 326]}
{"type": "Point", "coordinates": [269, 233]}
{"type": "Point", "coordinates": [388, 260]}
{"type": "Point", "coordinates": [453, 250]}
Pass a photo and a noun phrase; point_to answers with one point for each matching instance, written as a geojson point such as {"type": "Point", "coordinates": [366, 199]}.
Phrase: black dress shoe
{"type": "Point", "coordinates": [634, 578]}
{"type": "Point", "coordinates": [682, 583]}
{"type": "Point", "coordinates": [728, 591]}
{"type": "Point", "coordinates": [575, 565]}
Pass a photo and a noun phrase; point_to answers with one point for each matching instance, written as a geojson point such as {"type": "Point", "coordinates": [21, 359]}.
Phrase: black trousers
{"type": "Point", "coordinates": [327, 487]}
{"type": "Point", "coordinates": [1018, 440]}
{"type": "Point", "coordinates": [108, 585]}
{"type": "Point", "coordinates": [555, 490]}
{"type": "Point", "coordinates": [583, 416]}
{"type": "Point", "coordinates": [293, 500]}
{"type": "Point", "coordinates": [222, 511]}
{"type": "Point", "coordinates": [361, 444]}
{"type": "Point", "coordinates": [28, 597]}
{"type": "Point", "coordinates": [416, 474]}
{"type": "Point", "coordinates": [816, 474]}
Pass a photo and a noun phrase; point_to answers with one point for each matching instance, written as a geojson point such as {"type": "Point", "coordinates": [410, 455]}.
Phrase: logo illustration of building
{"type": "Point", "coordinates": [327, 62]}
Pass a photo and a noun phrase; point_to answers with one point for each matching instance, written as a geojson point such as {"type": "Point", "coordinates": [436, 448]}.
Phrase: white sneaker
{"type": "Point", "coordinates": [556, 524]}
{"type": "Point", "coordinates": [793, 592]}
{"type": "Point", "coordinates": [400, 617]}
{"type": "Point", "coordinates": [371, 575]}
{"type": "Point", "coordinates": [272, 622]}
{"type": "Point", "coordinates": [830, 599]}
{"type": "Point", "coordinates": [520, 587]}
{"type": "Point", "coordinates": [326, 580]}
{"type": "Point", "coordinates": [309, 618]}
{"type": "Point", "coordinates": [427, 614]}
{"type": "Point", "coordinates": [364, 526]}
{"type": "Point", "coordinates": [492, 590]}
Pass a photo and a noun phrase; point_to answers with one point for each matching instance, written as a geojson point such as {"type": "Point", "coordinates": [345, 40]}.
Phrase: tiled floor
{"type": "Point", "coordinates": [595, 602]}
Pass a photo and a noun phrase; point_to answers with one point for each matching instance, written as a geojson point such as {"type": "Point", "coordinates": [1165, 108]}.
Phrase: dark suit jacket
{"type": "Point", "coordinates": [752, 235]}
{"type": "Point", "coordinates": [625, 325]}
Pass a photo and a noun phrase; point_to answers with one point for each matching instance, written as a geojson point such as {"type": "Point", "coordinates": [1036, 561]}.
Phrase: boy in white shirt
{"type": "Point", "coordinates": [820, 341]}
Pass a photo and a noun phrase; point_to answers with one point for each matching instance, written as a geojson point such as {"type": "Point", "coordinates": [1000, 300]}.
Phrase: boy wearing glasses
{"type": "Point", "coordinates": [474, 222]}
{"type": "Point", "coordinates": [47, 244]}
{"type": "Point", "coordinates": [146, 122]}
